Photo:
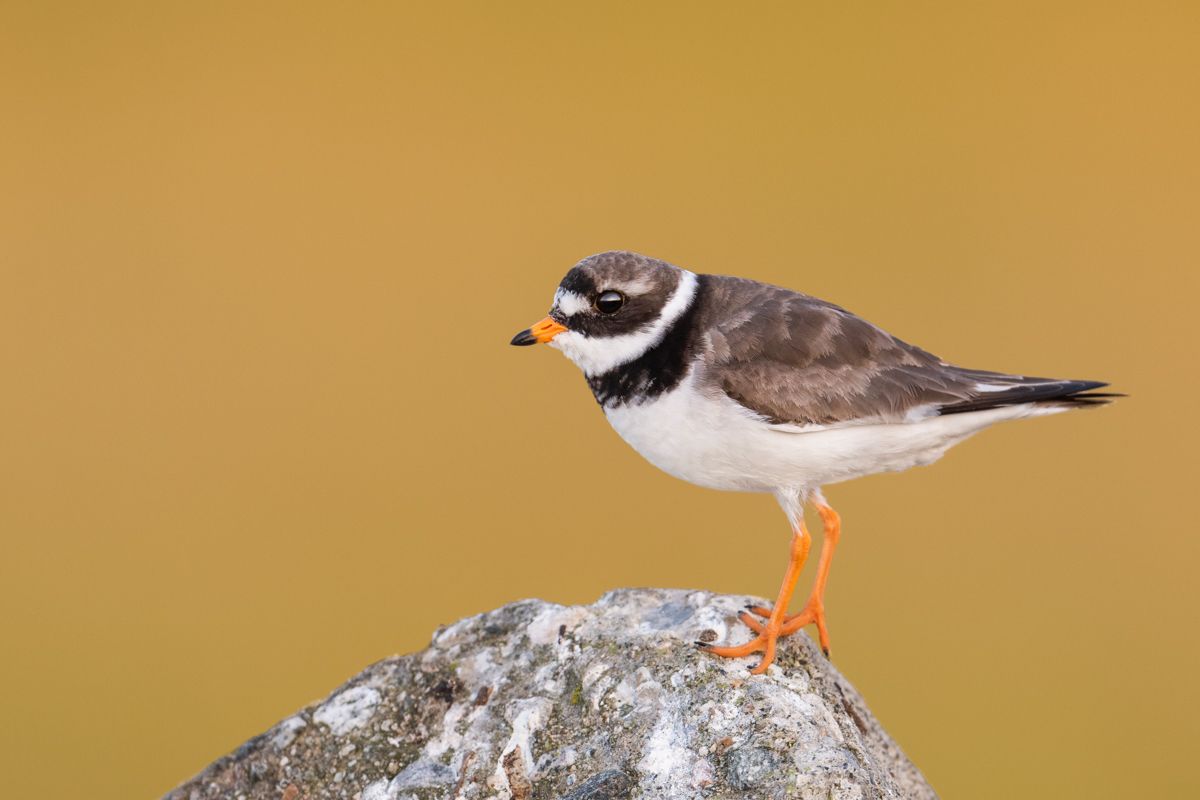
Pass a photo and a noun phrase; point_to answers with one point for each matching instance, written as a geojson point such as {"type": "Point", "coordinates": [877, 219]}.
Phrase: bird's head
{"type": "Point", "coordinates": [611, 308]}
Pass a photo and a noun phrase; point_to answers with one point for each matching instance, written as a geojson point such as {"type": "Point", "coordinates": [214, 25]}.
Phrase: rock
{"type": "Point", "coordinates": [610, 785]}
{"type": "Point", "coordinates": [536, 701]}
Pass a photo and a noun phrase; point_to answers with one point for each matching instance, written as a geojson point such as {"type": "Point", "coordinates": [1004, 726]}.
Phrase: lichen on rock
{"type": "Point", "coordinates": [536, 701]}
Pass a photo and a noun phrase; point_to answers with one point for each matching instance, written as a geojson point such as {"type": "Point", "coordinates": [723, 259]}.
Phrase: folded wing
{"type": "Point", "coordinates": [797, 360]}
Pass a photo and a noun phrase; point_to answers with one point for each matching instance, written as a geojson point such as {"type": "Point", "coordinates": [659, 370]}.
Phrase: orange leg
{"type": "Point", "coordinates": [814, 609]}
{"type": "Point", "coordinates": [773, 629]}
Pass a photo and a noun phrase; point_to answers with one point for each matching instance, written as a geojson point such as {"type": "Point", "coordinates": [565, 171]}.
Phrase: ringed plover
{"type": "Point", "coordinates": [733, 384]}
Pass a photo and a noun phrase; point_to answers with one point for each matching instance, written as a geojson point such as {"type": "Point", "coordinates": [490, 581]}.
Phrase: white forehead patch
{"type": "Point", "coordinates": [602, 354]}
{"type": "Point", "coordinates": [569, 303]}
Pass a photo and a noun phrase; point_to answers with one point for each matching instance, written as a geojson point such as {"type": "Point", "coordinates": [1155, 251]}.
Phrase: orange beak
{"type": "Point", "coordinates": [541, 333]}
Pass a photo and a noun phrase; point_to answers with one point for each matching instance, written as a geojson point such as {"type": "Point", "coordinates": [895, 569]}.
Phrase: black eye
{"type": "Point", "coordinates": [610, 302]}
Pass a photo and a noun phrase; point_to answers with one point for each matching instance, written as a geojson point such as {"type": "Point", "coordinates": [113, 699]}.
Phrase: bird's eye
{"type": "Point", "coordinates": [610, 302]}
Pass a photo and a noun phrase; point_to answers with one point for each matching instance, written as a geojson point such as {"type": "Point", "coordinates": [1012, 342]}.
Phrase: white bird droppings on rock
{"type": "Point", "coordinates": [376, 791]}
{"type": "Point", "coordinates": [285, 732]}
{"type": "Point", "coordinates": [667, 758]}
{"type": "Point", "coordinates": [348, 710]}
{"type": "Point", "coordinates": [527, 716]}
{"type": "Point", "coordinates": [545, 627]}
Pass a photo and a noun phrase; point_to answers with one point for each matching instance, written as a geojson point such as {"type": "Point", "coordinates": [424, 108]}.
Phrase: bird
{"type": "Point", "coordinates": [733, 384]}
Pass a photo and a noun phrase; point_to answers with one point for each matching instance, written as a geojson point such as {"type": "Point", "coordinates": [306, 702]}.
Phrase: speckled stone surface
{"type": "Point", "coordinates": [536, 701]}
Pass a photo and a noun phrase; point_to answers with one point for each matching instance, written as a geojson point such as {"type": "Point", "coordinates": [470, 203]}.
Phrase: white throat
{"type": "Point", "coordinates": [604, 354]}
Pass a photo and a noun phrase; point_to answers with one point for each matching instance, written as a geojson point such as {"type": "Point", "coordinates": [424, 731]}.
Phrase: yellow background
{"type": "Point", "coordinates": [261, 424]}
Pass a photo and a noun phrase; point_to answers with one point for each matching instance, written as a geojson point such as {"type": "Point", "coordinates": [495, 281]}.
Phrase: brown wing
{"type": "Point", "coordinates": [795, 359]}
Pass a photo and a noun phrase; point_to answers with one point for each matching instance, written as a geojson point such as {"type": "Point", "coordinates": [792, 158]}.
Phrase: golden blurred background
{"type": "Point", "coordinates": [261, 424]}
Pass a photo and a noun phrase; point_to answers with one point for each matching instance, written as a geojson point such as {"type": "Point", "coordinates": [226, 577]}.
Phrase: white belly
{"type": "Point", "coordinates": [714, 442]}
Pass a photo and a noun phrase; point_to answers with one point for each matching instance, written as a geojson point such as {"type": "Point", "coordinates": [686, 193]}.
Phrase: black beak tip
{"type": "Point", "coordinates": [524, 338]}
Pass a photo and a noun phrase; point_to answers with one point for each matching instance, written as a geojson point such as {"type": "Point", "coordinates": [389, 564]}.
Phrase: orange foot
{"type": "Point", "coordinates": [813, 611]}
{"type": "Point", "coordinates": [777, 622]}
{"type": "Point", "coordinates": [763, 643]}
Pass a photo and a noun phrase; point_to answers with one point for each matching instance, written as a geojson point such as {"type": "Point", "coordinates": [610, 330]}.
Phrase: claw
{"type": "Point", "coordinates": [751, 623]}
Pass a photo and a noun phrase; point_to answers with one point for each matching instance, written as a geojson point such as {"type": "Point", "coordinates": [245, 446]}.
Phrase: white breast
{"type": "Point", "coordinates": [710, 440]}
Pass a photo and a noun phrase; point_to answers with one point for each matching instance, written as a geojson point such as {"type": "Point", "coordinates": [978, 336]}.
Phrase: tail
{"type": "Point", "coordinates": [993, 390]}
